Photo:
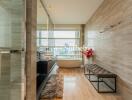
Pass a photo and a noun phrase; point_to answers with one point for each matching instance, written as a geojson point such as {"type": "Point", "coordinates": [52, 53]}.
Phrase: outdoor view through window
{"type": "Point", "coordinates": [61, 44]}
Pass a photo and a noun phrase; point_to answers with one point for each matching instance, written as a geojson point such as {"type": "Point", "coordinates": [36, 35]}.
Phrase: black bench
{"type": "Point", "coordinates": [101, 75]}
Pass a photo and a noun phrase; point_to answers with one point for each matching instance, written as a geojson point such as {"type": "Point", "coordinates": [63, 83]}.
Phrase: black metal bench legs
{"type": "Point", "coordinates": [98, 82]}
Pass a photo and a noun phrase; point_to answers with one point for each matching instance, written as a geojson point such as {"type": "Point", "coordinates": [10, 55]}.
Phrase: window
{"type": "Point", "coordinates": [62, 44]}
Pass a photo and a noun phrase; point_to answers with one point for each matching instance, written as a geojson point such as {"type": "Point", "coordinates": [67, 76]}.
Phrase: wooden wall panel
{"type": "Point", "coordinates": [112, 26]}
{"type": "Point", "coordinates": [31, 18]}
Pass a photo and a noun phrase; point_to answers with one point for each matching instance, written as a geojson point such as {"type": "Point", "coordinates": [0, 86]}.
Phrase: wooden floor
{"type": "Point", "coordinates": [77, 87]}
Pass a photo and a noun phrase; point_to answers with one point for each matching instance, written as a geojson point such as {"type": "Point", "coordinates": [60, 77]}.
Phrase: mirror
{"type": "Point", "coordinates": [45, 28]}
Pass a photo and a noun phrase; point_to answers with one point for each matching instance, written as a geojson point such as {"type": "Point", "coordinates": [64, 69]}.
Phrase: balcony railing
{"type": "Point", "coordinates": [72, 52]}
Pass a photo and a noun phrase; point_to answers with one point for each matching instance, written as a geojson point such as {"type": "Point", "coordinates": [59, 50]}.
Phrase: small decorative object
{"type": "Point", "coordinates": [88, 53]}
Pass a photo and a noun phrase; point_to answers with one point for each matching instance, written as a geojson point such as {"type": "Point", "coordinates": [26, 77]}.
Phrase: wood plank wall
{"type": "Point", "coordinates": [112, 27]}
{"type": "Point", "coordinates": [31, 27]}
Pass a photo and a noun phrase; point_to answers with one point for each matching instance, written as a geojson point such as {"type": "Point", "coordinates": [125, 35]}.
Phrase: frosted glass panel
{"type": "Point", "coordinates": [11, 37]}
{"type": "Point", "coordinates": [5, 28]}
{"type": "Point", "coordinates": [5, 76]}
{"type": "Point", "coordinates": [11, 26]}
{"type": "Point", "coordinates": [11, 76]}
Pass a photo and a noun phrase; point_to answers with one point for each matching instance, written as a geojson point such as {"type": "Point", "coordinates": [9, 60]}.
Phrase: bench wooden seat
{"type": "Point", "coordinates": [101, 74]}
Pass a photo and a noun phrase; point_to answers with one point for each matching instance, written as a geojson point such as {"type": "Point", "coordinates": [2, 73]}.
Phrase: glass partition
{"type": "Point", "coordinates": [45, 28]}
{"type": "Point", "coordinates": [11, 49]}
{"type": "Point", "coordinates": [42, 24]}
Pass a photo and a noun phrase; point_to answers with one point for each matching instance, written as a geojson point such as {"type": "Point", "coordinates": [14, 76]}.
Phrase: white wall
{"type": "Point", "coordinates": [69, 63]}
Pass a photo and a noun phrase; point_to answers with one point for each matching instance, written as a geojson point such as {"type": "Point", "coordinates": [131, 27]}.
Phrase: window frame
{"type": "Point", "coordinates": [78, 39]}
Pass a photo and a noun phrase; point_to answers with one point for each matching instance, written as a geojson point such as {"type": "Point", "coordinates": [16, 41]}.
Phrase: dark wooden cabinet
{"type": "Point", "coordinates": [44, 69]}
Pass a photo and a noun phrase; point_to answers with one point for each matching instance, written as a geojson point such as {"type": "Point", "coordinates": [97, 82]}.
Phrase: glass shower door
{"type": "Point", "coordinates": [5, 76]}
{"type": "Point", "coordinates": [12, 76]}
{"type": "Point", "coordinates": [12, 49]}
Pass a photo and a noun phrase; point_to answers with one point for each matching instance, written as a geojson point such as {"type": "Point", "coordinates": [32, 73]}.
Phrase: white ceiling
{"type": "Point", "coordinates": [71, 11]}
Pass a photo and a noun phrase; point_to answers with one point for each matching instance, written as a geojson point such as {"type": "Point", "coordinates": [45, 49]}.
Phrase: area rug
{"type": "Point", "coordinates": [53, 88]}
